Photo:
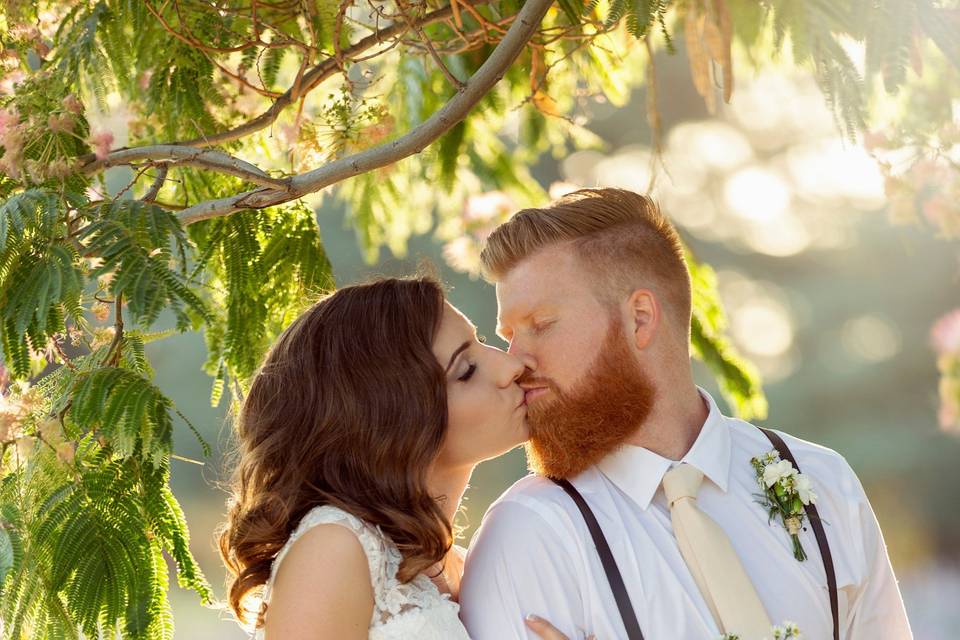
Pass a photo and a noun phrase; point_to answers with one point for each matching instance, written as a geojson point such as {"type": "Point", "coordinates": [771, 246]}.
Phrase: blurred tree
{"type": "Point", "coordinates": [412, 108]}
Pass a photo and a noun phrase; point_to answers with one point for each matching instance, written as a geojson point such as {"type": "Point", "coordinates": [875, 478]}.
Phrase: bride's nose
{"type": "Point", "coordinates": [510, 368]}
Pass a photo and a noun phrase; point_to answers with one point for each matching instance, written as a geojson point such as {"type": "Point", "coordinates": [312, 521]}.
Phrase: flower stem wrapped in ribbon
{"type": "Point", "coordinates": [785, 493]}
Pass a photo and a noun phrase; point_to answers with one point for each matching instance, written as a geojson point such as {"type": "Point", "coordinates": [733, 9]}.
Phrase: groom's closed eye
{"type": "Point", "coordinates": [539, 328]}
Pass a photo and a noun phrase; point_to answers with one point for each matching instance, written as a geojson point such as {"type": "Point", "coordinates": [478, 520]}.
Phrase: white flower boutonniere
{"type": "Point", "coordinates": [788, 631]}
{"type": "Point", "coordinates": [785, 492]}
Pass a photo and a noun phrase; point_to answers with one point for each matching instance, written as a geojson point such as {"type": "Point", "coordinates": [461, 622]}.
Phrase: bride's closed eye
{"type": "Point", "coordinates": [468, 374]}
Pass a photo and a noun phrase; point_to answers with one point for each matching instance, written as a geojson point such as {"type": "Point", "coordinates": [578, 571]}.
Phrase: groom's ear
{"type": "Point", "coordinates": [644, 316]}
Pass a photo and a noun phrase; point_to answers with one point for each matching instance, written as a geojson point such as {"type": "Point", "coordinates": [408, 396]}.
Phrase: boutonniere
{"type": "Point", "coordinates": [789, 631]}
{"type": "Point", "coordinates": [785, 492]}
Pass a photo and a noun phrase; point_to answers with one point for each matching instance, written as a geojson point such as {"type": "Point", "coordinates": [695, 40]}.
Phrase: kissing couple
{"type": "Point", "coordinates": [649, 514]}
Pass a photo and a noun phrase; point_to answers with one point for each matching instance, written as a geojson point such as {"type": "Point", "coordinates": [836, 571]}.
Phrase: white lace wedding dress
{"type": "Point", "coordinates": [416, 609]}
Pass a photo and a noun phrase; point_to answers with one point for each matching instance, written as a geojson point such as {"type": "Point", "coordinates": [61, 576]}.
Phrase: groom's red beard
{"type": "Point", "coordinates": [574, 430]}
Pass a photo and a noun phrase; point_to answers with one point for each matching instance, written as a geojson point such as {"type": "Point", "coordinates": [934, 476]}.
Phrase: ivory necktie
{"type": "Point", "coordinates": [712, 560]}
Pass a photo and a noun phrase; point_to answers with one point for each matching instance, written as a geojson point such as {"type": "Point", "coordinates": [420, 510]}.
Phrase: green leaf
{"type": "Point", "coordinates": [448, 150]}
{"type": "Point", "coordinates": [571, 8]}
{"type": "Point", "coordinates": [7, 555]}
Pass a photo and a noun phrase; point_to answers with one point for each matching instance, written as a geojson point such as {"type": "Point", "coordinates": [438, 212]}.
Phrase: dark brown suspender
{"type": "Point", "coordinates": [627, 614]}
{"type": "Point", "coordinates": [821, 536]}
{"type": "Point", "coordinates": [620, 595]}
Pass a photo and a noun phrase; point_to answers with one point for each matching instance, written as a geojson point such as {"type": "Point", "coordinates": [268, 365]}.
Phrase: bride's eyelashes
{"type": "Point", "coordinates": [468, 374]}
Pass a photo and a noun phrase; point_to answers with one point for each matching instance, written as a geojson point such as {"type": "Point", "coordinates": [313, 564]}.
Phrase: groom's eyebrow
{"type": "Point", "coordinates": [501, 326]}
{"type": "Point", "coordinates": [459, 350]}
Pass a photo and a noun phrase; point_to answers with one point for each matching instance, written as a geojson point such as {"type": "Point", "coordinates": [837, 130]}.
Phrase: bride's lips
{"type": "Point", "coordinates": [532, 393]}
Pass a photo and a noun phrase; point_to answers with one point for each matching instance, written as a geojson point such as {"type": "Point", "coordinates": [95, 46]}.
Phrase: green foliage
{"type": "Point", "coordinates": [817, 30]}
{"type": "Point", "coordinates": [640, 15]}
{"type": "Point", "coordinates": [40, 279]}
{"type": "Point", "coordinates": [85, 562]}
{"type": "Point", "coordinates": [267, 267]}
{"type": "Point", "coordinates": [126, 409]}
{"type": "Point", "coordinates": [138, 242]}
{"type": "Point", "coordinates": [738, 380]}
{"type": "Point", "coordinates": [87, 513]}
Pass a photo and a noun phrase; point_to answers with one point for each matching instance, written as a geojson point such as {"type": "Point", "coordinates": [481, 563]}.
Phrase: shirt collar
{"type": "Point", "coordinates": [638, 472]}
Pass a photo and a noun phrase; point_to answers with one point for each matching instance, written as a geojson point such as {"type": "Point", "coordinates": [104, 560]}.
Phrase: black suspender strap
{"type": "Point", "coordinates": [609, 564]}
{"type": "Point", "coordinates": [817, 525]}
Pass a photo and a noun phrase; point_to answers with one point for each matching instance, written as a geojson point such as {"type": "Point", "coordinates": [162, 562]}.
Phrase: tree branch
{"type": "Point", "coordinates": [492, 71]}
{"type": "Point", "coordinates": [188, 156]}
{"type": "Point", "coordinates": [318, 74]}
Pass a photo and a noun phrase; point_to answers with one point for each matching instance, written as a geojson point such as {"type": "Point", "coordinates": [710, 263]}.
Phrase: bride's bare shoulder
{"type": "Point", "coordinates": [322, 588]}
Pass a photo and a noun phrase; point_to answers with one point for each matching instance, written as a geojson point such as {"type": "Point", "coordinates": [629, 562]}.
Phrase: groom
{"type": "Point", "coordinates": [594, 296]}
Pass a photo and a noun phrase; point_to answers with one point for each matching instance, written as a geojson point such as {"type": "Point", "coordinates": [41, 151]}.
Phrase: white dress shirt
{"type": "Point", "coordinates": [533, 552]}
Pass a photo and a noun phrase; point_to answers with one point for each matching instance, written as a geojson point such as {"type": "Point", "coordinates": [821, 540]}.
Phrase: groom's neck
{"type": "Point", "coordinates": [674, 422]}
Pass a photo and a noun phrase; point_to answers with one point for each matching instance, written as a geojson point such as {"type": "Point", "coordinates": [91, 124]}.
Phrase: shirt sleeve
{"type": "Point", "coordinates": [876, 609]}
{"type": "Point", "coordinates": [518, 565]}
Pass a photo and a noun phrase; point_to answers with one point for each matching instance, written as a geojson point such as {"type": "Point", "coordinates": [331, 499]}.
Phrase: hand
{"type": "Point", "coordinates": [545, 630]}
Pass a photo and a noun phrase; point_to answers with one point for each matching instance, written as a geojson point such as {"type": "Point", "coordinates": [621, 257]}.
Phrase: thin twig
{"type": "Point", "coordinates": [140, 172]}
{"type": "Point", "coordinates": [113, 352]}
{"type": "Point", "coordinates": [157, 184]}
{"type": "Point", "coordinates": [63, 356]}
{"type": "Point", "coordinates": [452, 79]}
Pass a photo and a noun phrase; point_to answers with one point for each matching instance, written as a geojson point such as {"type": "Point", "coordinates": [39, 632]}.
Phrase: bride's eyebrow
{"type": "Point", "coordinates": [459, 350]}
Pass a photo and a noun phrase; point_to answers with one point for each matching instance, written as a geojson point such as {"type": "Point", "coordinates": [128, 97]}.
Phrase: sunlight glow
{"type": "Point", "coordinates": [757, 193]}
{"type": "Point", "coordinates": [871, 337]}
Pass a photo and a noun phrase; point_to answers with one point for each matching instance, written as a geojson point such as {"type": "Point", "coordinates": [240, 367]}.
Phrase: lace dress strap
{"type": "Point", "coordinates": [374, 546]}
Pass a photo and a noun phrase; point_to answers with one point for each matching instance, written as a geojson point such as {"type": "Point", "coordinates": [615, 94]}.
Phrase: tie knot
{"type": "Point", "coordinates": [683, 481]}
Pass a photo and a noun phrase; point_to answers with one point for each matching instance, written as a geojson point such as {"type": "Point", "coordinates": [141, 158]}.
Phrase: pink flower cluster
{"type": "Point", "coordinates": [12, 134]}
{"type": "Point", "coordinates": [484, 211]}
{"type": "Point", "coordinates": [101, 144]}
{"type": "Point", "coordinates": [945, 334]}
{"type": "Point", "coordinates": [945, 338]}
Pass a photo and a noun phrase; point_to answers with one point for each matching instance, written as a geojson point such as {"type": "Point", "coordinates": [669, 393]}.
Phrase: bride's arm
{"type": "Point", "coordinates": [322, 589]}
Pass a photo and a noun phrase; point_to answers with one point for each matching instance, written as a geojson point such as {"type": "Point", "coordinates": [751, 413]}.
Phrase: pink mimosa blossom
{"type": "Point", "coordinates": [72, 104]}
{"type": "Point", "coordinates": [485, 207]}
{"type": "Point", "coordinates": [8, 118]}
{"type": "Point", "coordinates": [945, 334]}
{"type": "Point", "coordinates": [101, 144]}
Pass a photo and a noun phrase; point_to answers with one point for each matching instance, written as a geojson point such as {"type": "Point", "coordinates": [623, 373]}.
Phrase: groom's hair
{"type": "Point", "coordinates": [622, 238]}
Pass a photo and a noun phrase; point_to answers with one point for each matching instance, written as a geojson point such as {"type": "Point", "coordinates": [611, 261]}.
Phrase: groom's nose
{"type": "Point", "coordinates": [529, 361]}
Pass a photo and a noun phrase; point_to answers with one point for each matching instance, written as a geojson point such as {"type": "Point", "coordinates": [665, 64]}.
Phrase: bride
{"type": "Point", "coordinates": [356, 442]}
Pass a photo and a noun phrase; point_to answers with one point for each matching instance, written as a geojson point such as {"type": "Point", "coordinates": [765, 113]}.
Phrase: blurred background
{"type": "Point", "coordinates": [825, 291]}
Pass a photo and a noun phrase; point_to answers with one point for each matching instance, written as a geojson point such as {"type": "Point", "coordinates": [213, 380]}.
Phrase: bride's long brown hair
{"type": "Point", "coordinates": [349, 408]}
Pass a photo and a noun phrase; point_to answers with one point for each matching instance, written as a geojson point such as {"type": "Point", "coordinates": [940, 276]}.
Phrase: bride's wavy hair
{"type": "Point", "coordinates": [349, 408]}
